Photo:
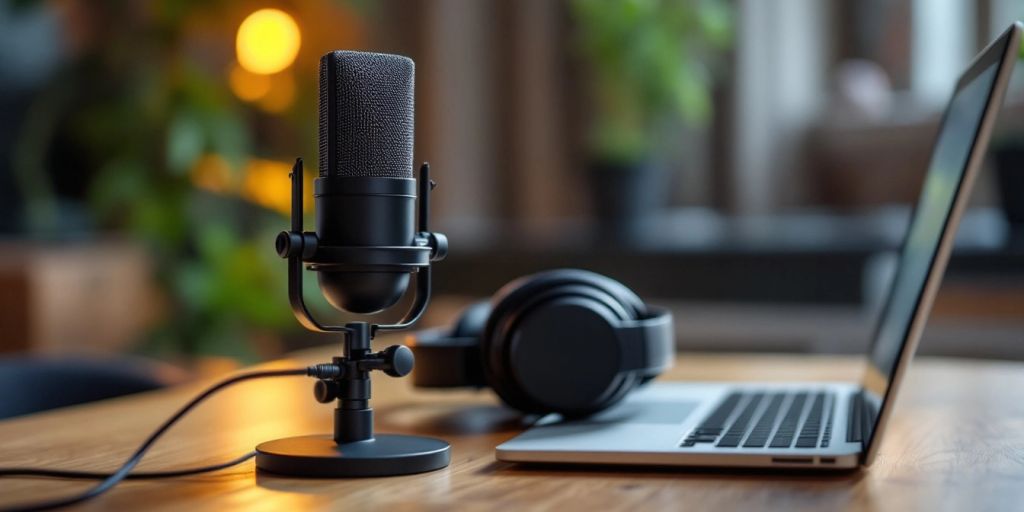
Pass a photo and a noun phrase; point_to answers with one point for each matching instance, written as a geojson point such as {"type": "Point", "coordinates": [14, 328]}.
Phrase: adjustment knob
{"type": "Point", "coordinates": [326, 391]}
{"type": "Point", "coordinates": [439, 246]}
{"type": "Point", "coordinates": [287, 242]}
{"type": "Point", "coordinates": [293, 243]}
{"type": "Point", "coordinates": [398, 360]}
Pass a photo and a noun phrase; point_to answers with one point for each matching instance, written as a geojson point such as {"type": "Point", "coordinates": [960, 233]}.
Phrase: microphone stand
{"type": "Point", "coordinates": [353, 449]}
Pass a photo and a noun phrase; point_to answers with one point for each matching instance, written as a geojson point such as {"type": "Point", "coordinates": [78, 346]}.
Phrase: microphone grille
{"type": "Point", "coordinates": [366, 115]}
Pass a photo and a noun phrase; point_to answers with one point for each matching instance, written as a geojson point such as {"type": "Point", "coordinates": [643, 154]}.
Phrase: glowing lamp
{"type": "Point", "coordinates": [268, 41]}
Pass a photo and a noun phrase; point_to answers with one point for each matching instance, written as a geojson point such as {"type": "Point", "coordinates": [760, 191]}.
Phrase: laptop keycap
{"type": "Point", "coordinates": [784, 435]}
{"type": "Point", "coordinates": [812, 425]}
{"type": "Point", "coordinates": [714, 424]}
{"type": "Point", "coordinates": [763, 428]}
{"type": "Point", "coordinates": [736, 431]}
{"type": "Point", "coordinates": [826, 436]}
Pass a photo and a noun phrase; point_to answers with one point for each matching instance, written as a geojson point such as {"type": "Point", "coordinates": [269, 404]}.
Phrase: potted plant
{"type": "Point", "coordinates": [648, 65]}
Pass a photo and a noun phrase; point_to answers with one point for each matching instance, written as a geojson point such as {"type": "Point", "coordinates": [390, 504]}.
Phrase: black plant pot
{"type": "Point", "coordinates": [626, 196]}
{"type": "Point", "coordinates": [1009, 167]}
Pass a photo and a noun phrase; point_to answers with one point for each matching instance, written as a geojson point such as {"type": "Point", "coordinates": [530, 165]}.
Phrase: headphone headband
{"type": "Point", "coordinates": [445, 361]}
{"type": "Point", "coordinates": [655, 334]}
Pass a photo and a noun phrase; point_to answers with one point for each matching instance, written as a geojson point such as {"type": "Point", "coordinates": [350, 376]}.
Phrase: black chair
{"type": "Point", "coordinates": [31, 384]}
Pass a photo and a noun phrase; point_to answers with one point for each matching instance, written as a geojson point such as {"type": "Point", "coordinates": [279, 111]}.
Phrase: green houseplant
{"type": "Point", "coordinates": [648, 64]}
{"type": "Point", "coordinates": [140, 105]}
{"type": "Point", "coordinates": [220, 287]}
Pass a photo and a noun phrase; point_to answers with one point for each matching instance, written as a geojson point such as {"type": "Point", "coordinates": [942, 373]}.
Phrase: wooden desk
{"type": "Point", "coordinates": [957, 443]}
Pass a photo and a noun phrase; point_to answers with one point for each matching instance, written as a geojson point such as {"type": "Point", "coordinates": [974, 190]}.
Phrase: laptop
{"type": "Point", "coordinates": [821, 425]}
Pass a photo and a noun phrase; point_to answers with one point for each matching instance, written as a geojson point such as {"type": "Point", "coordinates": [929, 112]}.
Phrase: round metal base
{"type": "Point", "coordinates": [320, 456]}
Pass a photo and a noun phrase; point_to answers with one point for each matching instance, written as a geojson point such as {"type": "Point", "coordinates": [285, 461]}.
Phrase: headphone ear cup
{"type": "Point", "coordinates": [550, 344]}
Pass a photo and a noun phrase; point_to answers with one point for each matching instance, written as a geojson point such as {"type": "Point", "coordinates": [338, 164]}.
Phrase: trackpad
{"type": "Point", "coordinates": [650, 420]}
{"type": "Point", "coordinates": [629, 426]}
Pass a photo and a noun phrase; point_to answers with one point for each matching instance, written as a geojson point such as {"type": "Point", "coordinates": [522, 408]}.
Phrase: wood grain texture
{"type": "Point", "coordinates": [957, 443]}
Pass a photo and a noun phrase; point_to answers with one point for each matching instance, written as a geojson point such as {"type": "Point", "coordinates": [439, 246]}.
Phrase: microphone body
{"type": "Point", "coordinates": [364, 212]}
{"type": "Point", "coordinates": [365, 195]}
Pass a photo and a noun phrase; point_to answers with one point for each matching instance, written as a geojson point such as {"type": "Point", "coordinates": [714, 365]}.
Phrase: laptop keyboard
{"type": "Point", "coordinates": [773, 419]}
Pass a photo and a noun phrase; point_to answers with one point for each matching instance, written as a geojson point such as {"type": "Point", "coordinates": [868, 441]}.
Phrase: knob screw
{"type": "Point", "coordinates": [326, 391]}
{"type": "Point", "coordinates": [399, 360]}
{"type": "Point", "coordinates": [396, 361]}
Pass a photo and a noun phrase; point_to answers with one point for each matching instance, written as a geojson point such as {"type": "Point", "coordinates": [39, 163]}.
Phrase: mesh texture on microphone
{"type": "Point", "coordinates": [366, 115]}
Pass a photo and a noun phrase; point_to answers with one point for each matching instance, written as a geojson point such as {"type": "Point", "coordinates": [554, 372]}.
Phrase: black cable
{"type": "Point", "coordinates": [138, 475]}
{"type": "Point", "coordinates": [113, 479]}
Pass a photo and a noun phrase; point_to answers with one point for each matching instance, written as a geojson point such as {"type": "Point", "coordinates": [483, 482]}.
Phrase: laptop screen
{"type": "Point", "coordinates": [949, 161]}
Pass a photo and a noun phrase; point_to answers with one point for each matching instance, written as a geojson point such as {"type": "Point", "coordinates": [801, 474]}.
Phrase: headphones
{"type": "Point", "coordinates": [565, 341]}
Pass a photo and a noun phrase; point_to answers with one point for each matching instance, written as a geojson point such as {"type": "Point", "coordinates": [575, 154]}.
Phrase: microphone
{"type": "Point", "coordinates": [365, 195]}
{"type": "Point", "coordinates": [369, 241]}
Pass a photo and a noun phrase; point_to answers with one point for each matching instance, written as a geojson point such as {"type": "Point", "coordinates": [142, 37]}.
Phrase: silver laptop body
{"type": "Point", "coordinates": [826, 425]}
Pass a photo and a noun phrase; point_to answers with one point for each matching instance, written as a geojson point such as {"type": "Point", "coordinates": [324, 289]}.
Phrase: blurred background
{"type": "Point", "coordinates": [749, 164]}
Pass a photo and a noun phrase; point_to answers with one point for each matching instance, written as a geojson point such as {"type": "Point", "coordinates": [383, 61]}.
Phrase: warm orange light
{"type": "Point", "coordinates": [213, 173]}
{"type": "Point", "coordinates": [263, 182]}
{"type": "Point", "coordinates": [268, 41]}
{"type": "Point", "coordinates": [280, 95]}
{"type": "Point", "coordinates": [266, 183]}
{"type": "Point", "coordinates": [248, 86]}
